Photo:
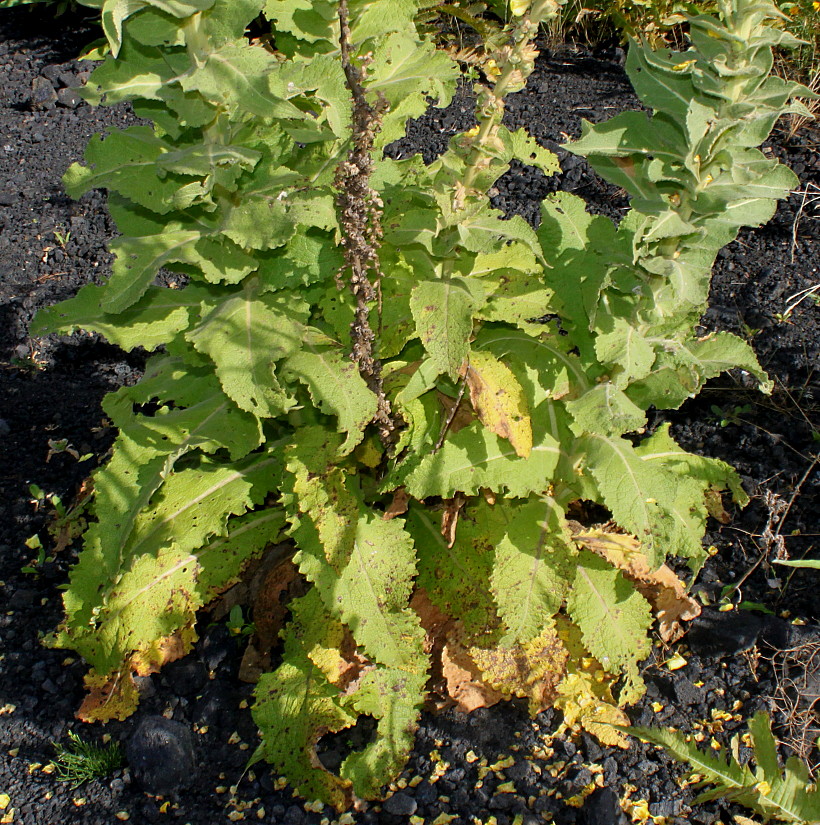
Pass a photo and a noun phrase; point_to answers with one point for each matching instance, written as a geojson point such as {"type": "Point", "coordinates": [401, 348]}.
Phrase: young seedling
{"type": "Point", "coordinates": [79, 761]}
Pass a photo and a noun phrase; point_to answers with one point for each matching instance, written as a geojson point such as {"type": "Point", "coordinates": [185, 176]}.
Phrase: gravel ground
{"type": "Point", "coordinates": [465, 768]}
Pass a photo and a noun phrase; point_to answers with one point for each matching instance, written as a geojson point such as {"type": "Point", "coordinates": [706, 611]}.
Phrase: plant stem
{"type": "Point", "coordinates": [360, 209]}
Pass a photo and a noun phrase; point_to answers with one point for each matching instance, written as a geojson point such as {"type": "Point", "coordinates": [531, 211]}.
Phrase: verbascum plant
{"type": "Point", "coordinates": [355, 362]}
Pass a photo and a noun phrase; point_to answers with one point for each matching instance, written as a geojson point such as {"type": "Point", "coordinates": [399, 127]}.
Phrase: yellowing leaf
{"type": "Point", "coordinates": [498, 400]}
{"type": "Point", "coordinates": [582, 707]}
{"type": "Point", "coordinates": [110, 696]}
{"type": "Point", "coordinates": [532, 670]}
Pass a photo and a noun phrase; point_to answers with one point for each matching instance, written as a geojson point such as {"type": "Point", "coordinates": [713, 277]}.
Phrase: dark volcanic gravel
{"type": "Point", "coordinates": [494, 762]}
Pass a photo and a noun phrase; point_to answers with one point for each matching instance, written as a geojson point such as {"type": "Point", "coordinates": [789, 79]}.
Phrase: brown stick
{"type": "Point", "coordinates": [360, 211]}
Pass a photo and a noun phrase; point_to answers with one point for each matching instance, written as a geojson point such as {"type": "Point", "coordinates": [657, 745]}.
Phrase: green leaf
{"type": "Point", "coordinates": [242, 79]}
{"type": "Point", "coordinates": [605, 409]}
{"type": "Point", "coordinates": [638, 493]}
{"type": "Point", "coordinates": [710, 472]}
{"type": "Point", "coordinates": [403, 66]}
{"type": "Point", "coordinates": [786, 795]}
{"type": "Point", "coordinates": [614, 619]}
{"type": "Point", "coordinates": [335, 387]}
{"type": "Point", "coordinates": [457, 577]}
{"type": "Point", "coordinates": [443, 312]}
{"type": "Point", "coordinates": [139, 259]}
{"type": "Point", "coordinates": [362, 565]}
{"type": "Point", "coordinates": [308, 257]}
{"type": "Point", "coordinates": [259, 223]}
{"type": "Point", "coordinates": [528, 151]}
{"type": "Point", "coordinates": [137, 530]}
{"type": "Point", "coordinates": [394, 697]}
{"type": "Point", "coordinates": [244, 336]}
{"type": "Point", "coordinates": [627, 349]}
{"type": "Point", "coordinates": [194, 413]}
{"type": "Point", "coordinates": [295, 706]}
{"type": "Point", "coordinates": [115, 12]}
{"type": "Point", "coordinates": [474, 458]}
{"type": "Point", "coordinates": [125, 162]}
{"type": "Point", "coordinates": [154, 320]}
{"type": "Point", "coordinates": [534, 565]}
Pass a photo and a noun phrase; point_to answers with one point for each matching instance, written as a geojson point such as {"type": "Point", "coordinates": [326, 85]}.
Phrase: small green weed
{"type": "Point", "coordinates": [726, 416]}
{"type": "Point", "coordinates": [61, 237]}
{"type": "Point", "coordinates": [80, 761]}
{"type": "Point", "coordinates": [236, 622]}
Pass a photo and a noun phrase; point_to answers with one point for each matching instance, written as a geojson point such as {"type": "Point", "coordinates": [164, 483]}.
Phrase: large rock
{"type": "Point", "coordinates": [161, 755]}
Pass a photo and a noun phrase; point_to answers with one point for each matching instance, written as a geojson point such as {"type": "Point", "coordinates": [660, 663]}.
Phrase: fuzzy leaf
{"type": "Point", "coordinates": [295, 706]}
{"type": "Point", "coordinates": [465, 594]}
{"type": "Point", "coordinates": [125, 162]}
{"type": "Point", "coordinates": [244, 336]}
{"type": "Point", "coordinates": [362, 565]}
{"type": "Point", "coordinates": [532, 669]}
{"type": "Point", "coordinates": [443, 312]}
{"type": "Point", "coordinates": [161, 537]}
{"type": "Point", "coordinates": [336, 388]}
{"type": "Point", "coordinates": [474, 458]}
{"type": "Point", "coordinates": [534, 564]}
{"type": "Point", "coordinates": [661, 588]}
{"type": "Point", "coordinates": [154, 320]}
{"type": "Point", "coordinates": [639, 494]}
{"type": "Point", "coordinates": [194, 413]}
{"type": "Point", "coordinates": [605, 409]}
{"type": "Point", "coordinates": [139, 260]}
{"type": "Point", "coordinates": [393, 697]}
{"type": "Point", "coordinates": [614, 619]}
{"type": "Point", "coordinates": [625, 347]}
{"type": "Point", "coordinates": [498, 401]}
{"type": "Point", "coordinates": [241, 78]}
{"type": "Point", "coordinates": [403, 66]}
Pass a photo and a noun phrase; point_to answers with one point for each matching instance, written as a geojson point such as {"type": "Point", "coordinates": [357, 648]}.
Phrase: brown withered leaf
{"type": "Point", "coordinates": [453, 680]}
{"type": "Point", "coordinates": [111, 696]}
{"type": "Point", "coordinates": [115, 695]}
{"type": "Point", "coordinates": [499, 401]}
{"type": "Point", "coordinates": [663, 590]}
{"type": "Point", "coordinates": [271, 589]}
{"type": "Point", "coordinates": [477, 677]}
{"type": "Point", "coordinates": [463, 680]}
{"type": "Point", "coordinates": [164, 650]}
{"type": "Point", "coordinates": [397, 507]}
{"type": "Point", "coordinates": [449, 518]}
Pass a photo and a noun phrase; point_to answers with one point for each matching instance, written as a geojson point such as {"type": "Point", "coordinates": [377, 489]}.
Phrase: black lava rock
{"type": "Point", "coordinates": [43, 94]}
{"type": "Point", "coordinates": [602, 808]}
{"type": "Point", "coordinates": [161, 755]}
{"type": "Point", "coordinates": [186, 676]}
{"type": "Point", "coordinates": [400, 804]}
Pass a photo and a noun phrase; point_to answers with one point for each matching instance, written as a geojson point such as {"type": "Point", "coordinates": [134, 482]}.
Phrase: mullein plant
{"type": "Point", "coordinates": [355, 363]}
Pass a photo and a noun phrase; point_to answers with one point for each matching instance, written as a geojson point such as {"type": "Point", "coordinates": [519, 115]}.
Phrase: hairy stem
{"type": "Point", "coordinates": [360, 210]}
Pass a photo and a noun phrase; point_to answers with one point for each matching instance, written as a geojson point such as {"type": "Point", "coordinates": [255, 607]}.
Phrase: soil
{"type": "Point", "coordinates": [53, 433]}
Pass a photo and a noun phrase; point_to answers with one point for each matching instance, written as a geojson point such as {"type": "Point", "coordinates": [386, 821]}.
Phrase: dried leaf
{"type": "Point", "coordinates": [398, 506]}
{"type": "Point", "coordinates": [110, 696]}
{"type": "Point", "coordinates": [714, 506]}
{"type": "Point", "coordinates": [463, 679]}
{"type": "Point", "coordinates": [115, 695]}
{"type": "Point", "coordinates": [449, 518]}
